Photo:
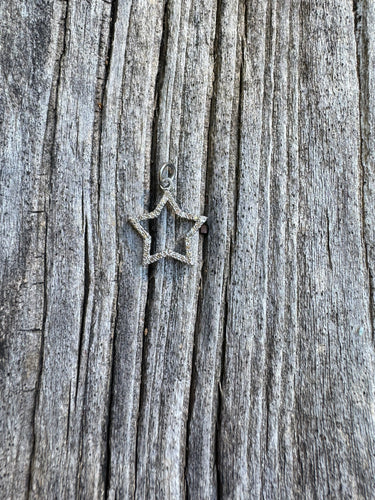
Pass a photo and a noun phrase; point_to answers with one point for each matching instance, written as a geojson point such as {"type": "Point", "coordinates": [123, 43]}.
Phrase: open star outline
{"type": "Point", "coordinates": [167, 199]}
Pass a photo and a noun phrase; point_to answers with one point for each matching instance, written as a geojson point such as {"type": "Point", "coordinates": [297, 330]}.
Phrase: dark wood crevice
{"type": "Point", "coordinates": [48, 159]}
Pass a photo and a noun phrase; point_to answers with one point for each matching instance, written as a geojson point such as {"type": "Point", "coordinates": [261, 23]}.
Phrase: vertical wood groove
{"type": "Point", "coordinates": [48, 151]}
{"type": "Point", "coordinates": [153, 183]}
{"type": "Point", "coordinates": [363, 62]}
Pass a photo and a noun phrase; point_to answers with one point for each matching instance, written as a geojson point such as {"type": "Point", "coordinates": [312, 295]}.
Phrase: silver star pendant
{"type": "Point", "coordinates": [167, 199]}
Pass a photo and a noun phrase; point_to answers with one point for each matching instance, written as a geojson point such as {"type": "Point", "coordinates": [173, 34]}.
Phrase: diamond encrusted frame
{"type": "Point", "coordinates": [167, 199]}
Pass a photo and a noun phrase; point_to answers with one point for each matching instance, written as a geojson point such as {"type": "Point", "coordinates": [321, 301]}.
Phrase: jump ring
{"type": "Point", "coordinates": [166, 180]}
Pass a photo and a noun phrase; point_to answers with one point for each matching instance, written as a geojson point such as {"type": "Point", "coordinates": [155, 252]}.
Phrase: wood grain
{"type": "Point", "coordinates": [250, 374]}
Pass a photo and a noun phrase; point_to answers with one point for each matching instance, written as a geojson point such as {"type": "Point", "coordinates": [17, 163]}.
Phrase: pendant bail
{"type": "Point", "coordinates": [166, 176]}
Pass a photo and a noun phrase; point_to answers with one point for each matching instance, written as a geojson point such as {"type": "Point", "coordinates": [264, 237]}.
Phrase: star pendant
{"type": "Point", "coordinates": [167, 199]}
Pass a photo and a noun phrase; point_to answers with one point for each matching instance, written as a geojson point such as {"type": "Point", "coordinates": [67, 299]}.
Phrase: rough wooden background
{"type": "Point", "coordinates": [249, 375]}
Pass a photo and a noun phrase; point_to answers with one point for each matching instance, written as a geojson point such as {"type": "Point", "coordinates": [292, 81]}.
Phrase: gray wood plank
{"type": "Point", "coordinates": [181, 127]}
{"type": "Point", "coordinates": [249, 374]}
{"type": "Point", "coordinates": [303, 381]}
{"type": "Point", "coordinates": [136, 48]}
{"type": "Point", "coordinates": [29, 43]}
{"type": "Point", "coordinates": [72, 399]}
{"type": "Point", "coordinates": [222, 152]}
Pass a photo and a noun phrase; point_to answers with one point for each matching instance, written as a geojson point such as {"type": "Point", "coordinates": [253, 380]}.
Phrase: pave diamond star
{"type": "Point", "coordinates": [167, 199]}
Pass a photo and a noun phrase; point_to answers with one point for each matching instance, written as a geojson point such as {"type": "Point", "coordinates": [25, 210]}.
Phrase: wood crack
{"type": "Point", "coordinates": [362, 59]}
{"type": "Point", "coordinates": [48, 158]}
{"type": "Point", "coordinates": [84, 310]}
{"type": "Point", "coordinates": [69, 411]}
{"type": "Point", "coordinates": [220, 399]}
{"type": "Point", "coordinates": [193, 376]}
{"type": "Point", "coordinates": [103, 79]}
{"type": "Point", "coordinates": [208, 175]}
{"type": "Point", "coordinates": [239, 138]}
{"type": "Point", "coordinates": [268, 99]}
{"type": "Point", "coordinates": [107, 463]}
{"type": "Point", "coordinates": [154, 184]}
{"type": "Point", "coordinates": [328, 240]}
{"type": "Point", "coordinates": [104, 88]}
{"type": "Point", "coordinates": [152, 225]}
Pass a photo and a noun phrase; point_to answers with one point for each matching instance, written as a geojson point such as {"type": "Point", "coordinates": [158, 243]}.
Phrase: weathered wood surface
{"type": "Point", "coordinates": [250, 374]}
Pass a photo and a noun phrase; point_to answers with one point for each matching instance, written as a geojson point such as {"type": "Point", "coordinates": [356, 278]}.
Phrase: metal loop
{"type": "Point", "coordinates": [166, 175]}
